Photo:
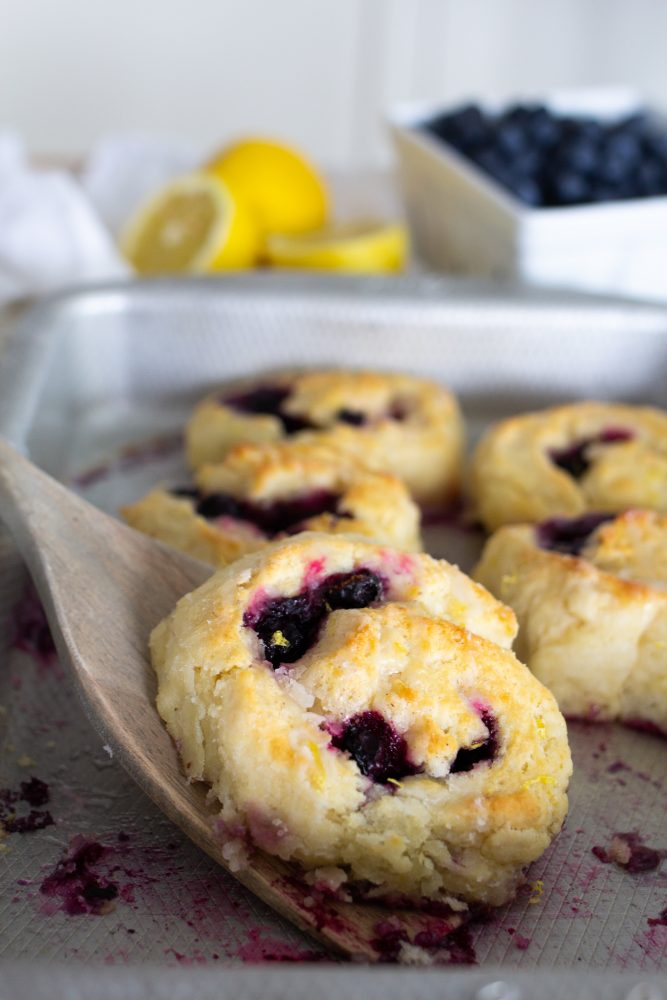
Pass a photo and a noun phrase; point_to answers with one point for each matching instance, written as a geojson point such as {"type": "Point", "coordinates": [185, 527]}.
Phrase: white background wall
{"type": "Point", "coordinates": [317, 72]}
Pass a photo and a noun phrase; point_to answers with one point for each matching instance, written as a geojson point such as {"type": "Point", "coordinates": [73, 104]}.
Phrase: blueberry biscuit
{"type": "Point", "coordinates": [261, 492]}
{"type": "Point", "coordinates": [590, 595]}
{"type": "Point", "coordinates": [392, 423]}
{"type": "Point", "coordinates": [356, 709]}
{"type": "Point", "coordinates": [570, 460]}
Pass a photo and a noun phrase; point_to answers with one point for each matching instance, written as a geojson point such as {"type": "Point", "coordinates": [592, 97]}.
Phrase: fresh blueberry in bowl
{"type": "Point", "coordinates": [550, 160]}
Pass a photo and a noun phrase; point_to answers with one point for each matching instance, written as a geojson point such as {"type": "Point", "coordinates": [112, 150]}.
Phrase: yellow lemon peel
{"type": "Point", "coordinates": [320, 771]}
{"type": "Point", "coordinates": [537, 889]}
{"type": "Point", "coordinates": [191, 225]}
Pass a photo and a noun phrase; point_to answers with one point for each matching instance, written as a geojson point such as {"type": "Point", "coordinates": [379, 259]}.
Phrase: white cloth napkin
{"type": "Point", "coordinates": [58, 230]}
{"type": "Point", "coordinates": [124, 170]}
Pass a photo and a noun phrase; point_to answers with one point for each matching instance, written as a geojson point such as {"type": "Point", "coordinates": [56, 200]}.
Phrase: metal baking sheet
{"type": "Point", "coordinates": [96, 386]}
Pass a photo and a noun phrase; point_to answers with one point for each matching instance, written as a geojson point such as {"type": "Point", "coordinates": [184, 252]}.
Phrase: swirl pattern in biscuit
{"type": "Point", "coordinates": [357, 708]}
{"type": "Point", "coordinates": [393, 423]}
{"type": "Point", "coordinates": [590, 595]}
{"type": "Point", "coordinates": [260, 492]}
{"type": "Point", "coordinates": [569, 460]}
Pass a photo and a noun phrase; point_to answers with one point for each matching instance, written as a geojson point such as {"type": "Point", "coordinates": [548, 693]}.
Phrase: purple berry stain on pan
{"type": "Point", "coordinates": [660, 920]}
{"type": "Point", "coordinates": [442, 944]}
{"type": "Point", "coordinates": [29, 630]}
{"type": "Point", "coordinates": [76, 883]}
{"type": "Point", "coordinates": [15, 817]}
{"type": "Point", "coordinates": [265, 948]}
{"type": "Point", "coordinates": [629, 852]}
{"type": "Point", "coordinates": [131, 457]}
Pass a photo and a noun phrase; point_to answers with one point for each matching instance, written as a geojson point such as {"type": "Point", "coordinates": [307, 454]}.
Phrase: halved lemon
{"type": "Point", "coordinates": [362, 246]}
{"type": "Point", "coordinates": [193, 224]}
{"type": "Point", "coordinates": [275, 182]}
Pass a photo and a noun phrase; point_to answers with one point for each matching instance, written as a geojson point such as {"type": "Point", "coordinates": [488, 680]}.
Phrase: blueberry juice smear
{"type": "Point", "coordinates": [289, 626]}
{"type": "Point", "coordinates": [76, 882]}
{"type": "Point", "coordinates": [569, 535]}
{"type": "Point", "coordinates": [381, 753]}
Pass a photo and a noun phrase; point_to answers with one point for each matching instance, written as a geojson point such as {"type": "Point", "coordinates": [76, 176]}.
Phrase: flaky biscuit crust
{"type": "Point", "coordinates": [512, 478]}
{"type": "Point", "coordinates": [426, 659]}
{"type": "Point", "coordinates": [373, 505]}
{"type": "Point", "coordinates": [421, 443]}
{"type": "Point", "coordinates": [593, 628]}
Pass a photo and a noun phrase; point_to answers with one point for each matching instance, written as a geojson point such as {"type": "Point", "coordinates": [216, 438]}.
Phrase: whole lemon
{"type": "Point", "coordinates": [275, 182]}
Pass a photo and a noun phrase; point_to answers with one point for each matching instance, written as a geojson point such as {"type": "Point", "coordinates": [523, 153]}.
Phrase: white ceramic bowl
{"type": "Point", "coordinates": [463, 221]}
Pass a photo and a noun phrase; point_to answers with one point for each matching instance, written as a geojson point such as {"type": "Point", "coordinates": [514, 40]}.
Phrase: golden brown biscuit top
{"type": "Point", "coordinates": [633, 547]}
{"type": "Point", "coordinates": [571, 459]}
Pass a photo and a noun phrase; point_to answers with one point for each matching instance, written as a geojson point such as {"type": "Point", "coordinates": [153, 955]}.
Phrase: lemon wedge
{"type": "Point", "coordinates": [192, 225]}
{"type": "Point", "coordinates": [277, 184]}
{"type": "Point", "coordinates": [364, 246]}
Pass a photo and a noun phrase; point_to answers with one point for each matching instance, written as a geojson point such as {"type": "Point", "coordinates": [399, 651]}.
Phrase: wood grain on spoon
{"type": "Point", "coordinates": [104, 588]}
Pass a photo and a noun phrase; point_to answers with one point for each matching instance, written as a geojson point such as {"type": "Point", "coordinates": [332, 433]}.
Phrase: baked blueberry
{"type": "Point", "coordinates": [379, 750]}
{"type": "Point", "coordinates": [268, 400]}
{"type": "Point", "coordinates": [289, 626]}
{"type": "Point", "coordinates": [485, 751]}
{"type": "Point", "coordinates": [353, 590]}
{"type": "Point", "coordinates": [575, 459]}
{"type": "Point", "coordinates": [569, 535]}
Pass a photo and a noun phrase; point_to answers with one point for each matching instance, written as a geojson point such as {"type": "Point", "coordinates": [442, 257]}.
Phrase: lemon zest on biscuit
{"type": "Point", "coordinates": [476, 746]}
{"type": "Point", "coordinates": [320, 772]}
{"type": "Point", "coordinates": [278, 639]}
{"type": "Point", "coordinates": [539, 725]}
{"type": "Point", "coordinates": [537, 889]}
{"type": "Point", "coordinates": [541, 779]}
{"type": "Point", "coordinates": [393, 781]}
{"type": "Point", "coordinates": [457, 608]}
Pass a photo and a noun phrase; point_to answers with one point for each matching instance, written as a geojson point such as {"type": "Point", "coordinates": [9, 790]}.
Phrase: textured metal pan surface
{"type": "Point", "coordinates": [97, 385]}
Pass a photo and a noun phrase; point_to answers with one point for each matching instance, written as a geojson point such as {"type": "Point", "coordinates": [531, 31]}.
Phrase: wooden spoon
{"type": "Point", "coordinates": [104, 587]}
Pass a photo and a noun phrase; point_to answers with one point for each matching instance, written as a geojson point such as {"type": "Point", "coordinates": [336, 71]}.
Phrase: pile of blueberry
{"type": "Point", "coordinates": [548, 160]}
